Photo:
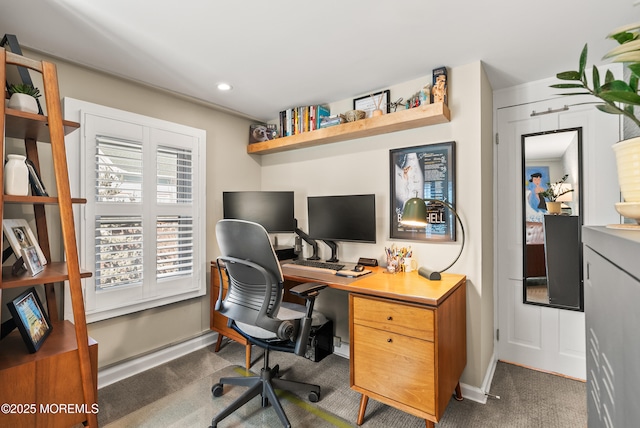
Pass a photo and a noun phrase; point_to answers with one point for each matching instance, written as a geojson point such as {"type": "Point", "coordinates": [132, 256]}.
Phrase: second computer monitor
{"type": "Point", "coordinates": [342, 218]}
{"type": "Point", "coordinates": [273, 210]}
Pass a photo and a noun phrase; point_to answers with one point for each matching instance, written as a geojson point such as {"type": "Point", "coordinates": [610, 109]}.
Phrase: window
{"type": "Point", "coordinates": [142, 229]}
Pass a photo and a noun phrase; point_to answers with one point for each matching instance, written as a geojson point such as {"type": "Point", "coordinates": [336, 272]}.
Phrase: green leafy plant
{"type": "Point", "coordinates": [618, 96]}
{"type": "Point", "coordinates": [557, 189]}
{"type": "Point", "coordinates": [22, 88]}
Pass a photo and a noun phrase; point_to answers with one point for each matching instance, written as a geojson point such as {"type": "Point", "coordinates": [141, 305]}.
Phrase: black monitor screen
{"type": "Point", "coordinates": [273, 210]}
{"type": "Point", "coordinates": [342, 218]}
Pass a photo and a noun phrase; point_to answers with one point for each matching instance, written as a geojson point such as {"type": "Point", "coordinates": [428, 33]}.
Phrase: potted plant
{"type": "Point", "coordinates": [553, 192]}
{"type": "Point", "coordinates": [616, 97]}
{"type": "Point", "coordinates": [23, 97]}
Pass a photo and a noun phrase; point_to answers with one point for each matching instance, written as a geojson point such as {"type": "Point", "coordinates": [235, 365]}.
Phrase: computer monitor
{"type": "Point", "coordinates": [272, 209]}
{"type": "Point", "coordinates": [350, 218]}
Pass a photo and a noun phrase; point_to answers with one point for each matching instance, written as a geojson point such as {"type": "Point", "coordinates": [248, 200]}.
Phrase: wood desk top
{"type": "Point", "coordinates": [409, 287]}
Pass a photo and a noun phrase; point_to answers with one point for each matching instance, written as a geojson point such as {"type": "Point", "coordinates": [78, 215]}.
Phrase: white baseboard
{"type": "Point", "coordinates": [479, 395]}
{"type": "Point", "coordinates": [342, 350]}
{"type": "Point", "coordinates": [121, 371]}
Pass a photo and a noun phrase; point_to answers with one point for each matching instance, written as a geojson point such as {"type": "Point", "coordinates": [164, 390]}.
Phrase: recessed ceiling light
{"type": "Point", "coordinates": [224, 87]}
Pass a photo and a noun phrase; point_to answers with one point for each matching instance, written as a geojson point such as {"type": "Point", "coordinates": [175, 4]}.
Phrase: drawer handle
{"type": "Point", "coordinates": [389, 340]}
{"type": "Point", "coordinates": [389, 318]}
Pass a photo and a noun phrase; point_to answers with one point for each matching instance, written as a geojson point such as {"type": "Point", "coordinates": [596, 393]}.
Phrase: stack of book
{"type": "Point", "coordinates": [302, 119]}
{"type": "Point", "coordinates": [333, 120]}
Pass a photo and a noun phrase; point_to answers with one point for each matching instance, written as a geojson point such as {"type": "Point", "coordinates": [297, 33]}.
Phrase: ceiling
{"type": "Point", "coordinates": [279, 54]}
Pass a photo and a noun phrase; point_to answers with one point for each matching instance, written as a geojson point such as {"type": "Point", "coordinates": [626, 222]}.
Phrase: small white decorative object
{"type": "Point", "coordinates": [23, 102]}
{"type": "Point", "coordinates": [16, 176]}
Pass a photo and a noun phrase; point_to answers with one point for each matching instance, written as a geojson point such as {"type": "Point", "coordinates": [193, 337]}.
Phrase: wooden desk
{"type": "Point", "coordinates": [408, 343]}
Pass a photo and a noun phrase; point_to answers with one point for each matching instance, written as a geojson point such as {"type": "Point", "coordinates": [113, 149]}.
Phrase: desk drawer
{"type": "Point", "coordinates": [395, 366]}
{"type": "Point", "coordinates": [403, 318]}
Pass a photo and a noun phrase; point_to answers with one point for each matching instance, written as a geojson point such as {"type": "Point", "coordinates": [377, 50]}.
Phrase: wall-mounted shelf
{"type": "Point", "coordinates": [431, 114]}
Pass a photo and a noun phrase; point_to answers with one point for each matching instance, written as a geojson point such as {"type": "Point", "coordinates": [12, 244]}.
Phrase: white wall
{"type": "Point", "coordinates": [362, 166]}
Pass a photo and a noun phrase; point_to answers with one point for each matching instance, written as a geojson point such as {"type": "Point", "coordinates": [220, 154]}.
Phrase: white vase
{"type": "Point", "coordinates": [16, 176]}
{"type": "Point", "coordinates": [628, 163]}
{"type": "Point", "coordinates": [23, 102]}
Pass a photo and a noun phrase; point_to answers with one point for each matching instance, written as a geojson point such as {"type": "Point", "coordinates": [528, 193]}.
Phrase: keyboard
{"type": "Point", "coordinates": [317, 266]}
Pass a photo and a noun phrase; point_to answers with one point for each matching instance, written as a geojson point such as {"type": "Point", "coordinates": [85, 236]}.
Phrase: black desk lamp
{"type": "Point", "coordinates": [415, 214]}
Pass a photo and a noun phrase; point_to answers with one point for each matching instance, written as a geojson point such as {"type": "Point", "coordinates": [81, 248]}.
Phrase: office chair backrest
{"type": "Point", "coordinates": [253, 272]}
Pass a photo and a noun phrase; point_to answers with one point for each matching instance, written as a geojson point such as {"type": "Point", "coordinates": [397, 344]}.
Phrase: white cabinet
{"type": "Point", "coordinates": [611, 296]}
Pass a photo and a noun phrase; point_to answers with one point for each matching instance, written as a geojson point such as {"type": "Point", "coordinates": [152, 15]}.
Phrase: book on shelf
{"type": "Point", "coordinates": [301, 119]}
{"type": "Point", "coordinates": [333, 120]}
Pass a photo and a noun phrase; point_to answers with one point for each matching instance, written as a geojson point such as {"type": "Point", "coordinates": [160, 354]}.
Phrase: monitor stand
{"type": "Point", "coordinates": [334, 251]}
{"type": "Point", "coordinates": [309, 241]}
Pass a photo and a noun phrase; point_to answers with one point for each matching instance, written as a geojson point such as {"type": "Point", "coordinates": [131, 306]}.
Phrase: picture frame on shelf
{"type": "Point", "coordinates": [368, 103]}
{"type": "Point", "coordinates": [426, 171]}
{"type": "Point", "coordinates": [37, 186]}
{"type": "Point", "coordinates": [32, 261]}
{"type": "Point", "coordinates": [20, 236]}
{"type": "Point", "coordinates": [31, 319]}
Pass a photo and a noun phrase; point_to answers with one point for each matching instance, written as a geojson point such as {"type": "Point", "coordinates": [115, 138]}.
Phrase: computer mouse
{"type": "Point", "coordinates": [358, 268]}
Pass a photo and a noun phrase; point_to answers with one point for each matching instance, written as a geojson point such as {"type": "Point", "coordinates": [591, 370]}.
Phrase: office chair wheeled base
{"type": "Point", "coordinates": [265, 386]}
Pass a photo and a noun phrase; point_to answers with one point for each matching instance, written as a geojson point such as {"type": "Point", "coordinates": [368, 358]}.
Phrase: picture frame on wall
{"type": "Point", "coordinates": [426, 172]}
{"type": "Point", "coordinates": [368, 103]}
{"type": "Point", "coordinates": [31, 319]}
{"type": "Point", "coordinates": [20, 236]}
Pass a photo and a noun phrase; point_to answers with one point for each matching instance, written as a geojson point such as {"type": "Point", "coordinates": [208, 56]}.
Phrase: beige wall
{"type": "Point", "coordinates": [358, 166]}
{"type": "Point", "coordinates": [129, 336]}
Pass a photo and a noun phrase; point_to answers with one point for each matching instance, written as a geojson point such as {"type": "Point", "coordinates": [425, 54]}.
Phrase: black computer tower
{"type": "Point", "coordinates": [320, 342]}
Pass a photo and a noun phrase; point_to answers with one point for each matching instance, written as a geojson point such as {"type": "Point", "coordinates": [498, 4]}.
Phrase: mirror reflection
{"type": "Point", "coordinates": [552, 208]}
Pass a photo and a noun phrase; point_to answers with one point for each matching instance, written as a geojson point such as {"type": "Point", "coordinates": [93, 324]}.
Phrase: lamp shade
{"type": "Point", "coordinates": [414, 213]}
{"type": "Point", "coordinates": [565, 189]}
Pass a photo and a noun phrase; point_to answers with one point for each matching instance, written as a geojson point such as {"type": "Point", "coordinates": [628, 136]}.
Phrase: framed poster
{"type": "Point", "coordinates": [30, 318]}
{"type": "Point", "coordinates": [426, 172]}
{"type": "Point", "coordinates": [535, 182]}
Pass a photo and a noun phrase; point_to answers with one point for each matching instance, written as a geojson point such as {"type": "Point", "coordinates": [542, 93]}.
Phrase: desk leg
{"type": "Point", "coordinates": [247, 356]}
{"type": "Point", "coordinates": [429, 424]}
{"type": "Point", "coordinates": [363, 408]}
{"type": "Point", "coordinates": [458, 392]}
{"type": "Point", "coordinates": [218, 342]}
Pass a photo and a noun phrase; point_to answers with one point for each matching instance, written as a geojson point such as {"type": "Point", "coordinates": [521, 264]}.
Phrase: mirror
{"type": "Point", "coordinates": [552, 249]}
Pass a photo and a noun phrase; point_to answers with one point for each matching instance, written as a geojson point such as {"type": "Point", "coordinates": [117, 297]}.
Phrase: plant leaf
{"type": "Point", "coordinates": [583, 60]}
{"type": "Point", "coordinates": [567, 85]}
{"type": "Point", "coordinates": [609, 77]}
{"type": "Point", "coordinates": [569, 75]}
{"type": "Point", "coordinates": [596, 80]}
{"type": "Point", "coordinates": [608, 109]}
{"type": "Point", "coordinates": [621, 97]}
{"type": "Point", "coordinates": [635, 68]}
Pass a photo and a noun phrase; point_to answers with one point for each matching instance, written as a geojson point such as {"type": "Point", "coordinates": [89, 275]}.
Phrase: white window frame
{"type": "Point", "coordinates": [95, 120]}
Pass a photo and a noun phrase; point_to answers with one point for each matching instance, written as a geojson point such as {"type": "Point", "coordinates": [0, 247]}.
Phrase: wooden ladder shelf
{"type": "Point", "coordinates": [64, 369]}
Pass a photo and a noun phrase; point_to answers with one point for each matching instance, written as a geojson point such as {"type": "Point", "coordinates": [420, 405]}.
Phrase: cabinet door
{"type": "Point", "coordinates": [612, 323]}
{"type": "Point", "coordinates": [20, 393]}
{"type": "Point", "coordinates": [395, 366]}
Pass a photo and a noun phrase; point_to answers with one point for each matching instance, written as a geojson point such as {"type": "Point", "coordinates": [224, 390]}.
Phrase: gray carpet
{"type": "Point", "coordinates": [178, 394]}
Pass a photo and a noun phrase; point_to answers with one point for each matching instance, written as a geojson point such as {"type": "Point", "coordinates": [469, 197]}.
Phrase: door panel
{"type": "Point", "coordinates": [541, 337]}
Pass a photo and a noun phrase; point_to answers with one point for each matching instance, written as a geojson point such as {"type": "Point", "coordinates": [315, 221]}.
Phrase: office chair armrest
{"type": "Point", "coordinates": [308, 289]}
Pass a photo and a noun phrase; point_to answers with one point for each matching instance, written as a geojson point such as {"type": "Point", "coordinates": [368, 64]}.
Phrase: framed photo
{"type": "Point", "coordinates": [31, 319]}
{"type": "Point", "coordinates": [32, 261]}
{"type": "Point", "coordinates": [37, 187]}
{"type": "Point", "coordinates": [20, 236]}
{"type": "Point", "coordinates": [426, 172]}
{"type": "Point", "coordinates": [368, 103]}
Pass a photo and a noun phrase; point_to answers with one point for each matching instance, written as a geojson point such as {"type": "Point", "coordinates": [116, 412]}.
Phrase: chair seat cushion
{"type": "Point", "coordinates": [288, 311]}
